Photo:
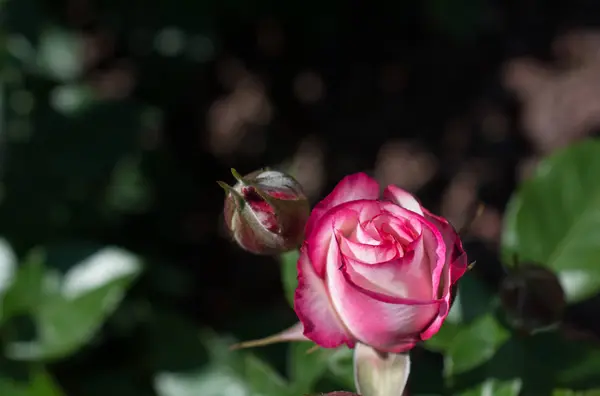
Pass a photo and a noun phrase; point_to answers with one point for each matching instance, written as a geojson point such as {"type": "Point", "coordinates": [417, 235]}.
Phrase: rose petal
{"type": "Point", "coordinates": [406, 277]}
{"type": "Point", "coordinates": [444, 290]}
{"type": "Point", "coordinates": [455, 254]}
{"type": "Point", "coordinates": [402, 198]}
{"type": "Point", "coordinates": [345, 215]}
{"type": "Point", "coordinates": [354, 187]}
{"type": "Point", "coordinates": [369, 254]}
{"type": "Point", "coordinates": [383, 323]}
{"type": "Point", "coordinates": [399, 229]}
{"type": "Point", "coordinates": [362, 235]}
{"type": "Point", "coordinates": [314, 309]}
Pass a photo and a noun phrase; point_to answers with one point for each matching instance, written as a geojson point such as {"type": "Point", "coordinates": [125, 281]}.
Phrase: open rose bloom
{"type": "Point", "coordinates": [376, 271]}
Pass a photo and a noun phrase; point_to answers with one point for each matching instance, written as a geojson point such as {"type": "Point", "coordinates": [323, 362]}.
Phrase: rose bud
{"type": "Point", "coordinates": [532, 297]}
{"type": "Point", "coordinates": [266, 211]}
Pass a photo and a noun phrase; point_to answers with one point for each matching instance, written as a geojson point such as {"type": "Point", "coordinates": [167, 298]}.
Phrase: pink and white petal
{"type": "Point", "coordinates": [445, 286]}
{"type": "Point", "coordinates": [436, 250]}
{"type": "Point", "coordinates": [369, 254]}
{"type": "Point", "coordinates": [406, 215]}
{"type": "Point", "coordinates": [314, 309]}
{"type": "Point", "coordinates": [402, 230]}
{"type": "Point", "coordinates": [455, 254]}
{"type": "Point", "coordinates": [354, 187]}
{"type": "Point", "coordinates": [459, 265]}
{"type": "Point", "coordinates": [341, 217]}
{"type": "Point", "coordinates": [407, 277]}
{"type": "Point", "coordinates": [402, 198]}
{"type": "Point", "coordinates": [383, 324]}
{"type": "Point", "coordinates": [362, 235]}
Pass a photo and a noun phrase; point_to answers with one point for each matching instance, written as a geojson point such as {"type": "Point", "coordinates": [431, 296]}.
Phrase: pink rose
{"type": "Point", "coordinates": [375, 271]}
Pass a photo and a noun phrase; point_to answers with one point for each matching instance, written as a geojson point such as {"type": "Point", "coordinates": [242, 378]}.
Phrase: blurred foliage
{"type": "Point", "coordinates": [115, 277]}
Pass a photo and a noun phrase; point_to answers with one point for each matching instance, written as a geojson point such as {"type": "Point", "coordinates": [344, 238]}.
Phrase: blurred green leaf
{"type": "Point", "coordinates": [262, 379]}
{"type": "Point", "coordinates": [289, 274]}
{"type": "Point", "coordinates": [472, 300]}
{"type": "Point", "coordinates": [494, 387]}
{"type": "Point", "coordinates": [554, 219]}
{"type": "Point", "coordinates": [60, 54]}
{"type": "Point", "coordinates": [213, 381]}
{"type": "Point", "coordinates": [568, 392]}
{"type": "Point", "coordinates": [467, 346]}
{"type": "Point", "coordinates": [305, 369]}
{"type": "Point", "coordinates": [474, 344]}
{"type": "Point", "coordinates": [8, 268]}
{"type": "Point", "coordinates": [542, 362]}
{"type": "Point", "coordinates": [443, 339]}
{"type": "Point", "coordinates": [40, 384]}
{"type": "Point", "coordinates": [341, 366]}
{"type": "Point", "coordinates": [24, 294]}
{"type": "Point", "coordinates": [227, 373]}
{"type": "Point", "coordinates": [128, 190]}
{"type": "Point", "coordinates": [74, 307]}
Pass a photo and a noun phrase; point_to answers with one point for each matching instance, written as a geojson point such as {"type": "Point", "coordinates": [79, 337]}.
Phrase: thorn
{"type": "Point", "coordinates": [470, 266]}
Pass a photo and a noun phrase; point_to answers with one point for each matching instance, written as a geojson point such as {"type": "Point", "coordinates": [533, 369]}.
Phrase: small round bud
{"type": "Point", "coordinates": [532, 297]}
{"type": "Point", "coordinates": [266, 211]}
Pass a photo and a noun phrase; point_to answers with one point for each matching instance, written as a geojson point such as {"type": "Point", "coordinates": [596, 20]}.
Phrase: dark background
{"type": "Point", "coordinates": [430, 95]}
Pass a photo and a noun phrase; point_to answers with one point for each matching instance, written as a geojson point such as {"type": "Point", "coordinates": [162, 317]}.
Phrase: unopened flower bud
{"type": "Point", "coordinates": [266, 211]}
{"type": "Point", "coordinates": [532, 297]}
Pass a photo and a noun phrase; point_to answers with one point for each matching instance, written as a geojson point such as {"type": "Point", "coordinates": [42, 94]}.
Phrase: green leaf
{"type": "Point", "coordinates": [341, 366]}
{"type": "Point", "coordinates": [554, 219]}
{"type": "Point", "coordinates": [474, 345]}
{"type": "Point", "coordinates": [472, 300]}
{"type": "Point", "coordinates": [494, 387]}
{"type": "Point", "coordinates": [40, 384]}
{"type": "Point", "coordinates": [227, 373]}
{"type": "Point", "coordinates": [24, 294]}
{"type": "Point", "coordinates": [8, 264]}
{"type": "Point", "coordinates": [262, 378]}
{"type": "Point", "coordinates": [212, 381]}
{"type": "Point", "coordinates": [289, 274]}
{"type": "Point", "coordinates": [74, 307]}
{"type": "Point", "coordinates": [542, 362]}
{"type": "Point", "coordinates": [305, 369]}
{"type": "Point", "coordinates": [467, 346]}
{"type": "Point", "coordinates": [569, 392]}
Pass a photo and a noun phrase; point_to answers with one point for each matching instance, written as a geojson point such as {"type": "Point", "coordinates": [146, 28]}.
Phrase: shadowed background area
{"type": "Point", "coordinates": [118, 117]}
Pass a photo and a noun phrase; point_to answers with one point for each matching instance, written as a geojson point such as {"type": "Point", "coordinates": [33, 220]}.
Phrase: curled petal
{"type": "Point", "coordinates": [318, 241]}
{"type": "Point", "coordinates": [368, 253]}
{"type": "Point", "coordinates": [386, 323]}
{"type": "Point", "coordinates": [455, 254]}
{"type": "Point", "coordinates": [406, 277]}
{"type": "Point", "coordinates": [367, 237]}
{"type": "Point", "coordinates": [354, 187]}
{"type": "Point", "coordinates": [313, 307]}
{"type": "Point", "coordinates": [443, 290]}
{"type": "Point", "coordinates": [403, 198]}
